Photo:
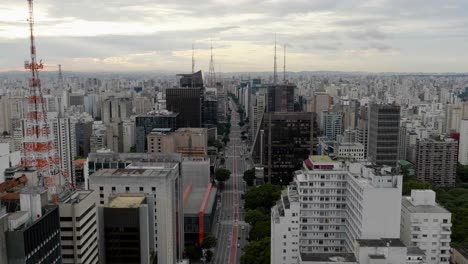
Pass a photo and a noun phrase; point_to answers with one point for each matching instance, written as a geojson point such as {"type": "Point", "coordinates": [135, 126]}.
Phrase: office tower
{"type": "Point", "coordinates": [281, 98]}
{"type": "Point", "coordinates": [330, 204]}
{"type": "Point", "coordinates": [65, 138]}
{"type": "Point", "coordinates": [210, 110]}
{"type": "Point", "coordinates": [426, 225]}
{"type": "Point", "coordinates": [320, 102]}
{"type": "Point", "coordinates": [92, 105]}
{"type": "Point", "coordinates": [274, 148]}
{"type": "Point", "coordinates": [436, 160]}
{"type": "Point", "coordinates": [78, 227]}
{"type": "Point", "coordinates": [191, 80]}
{"type": "Point", "coordinates": [463, 143]}
{"type": "Point", "coordinates": [453, 117]}
{"type": "Point", "coordinates": [158, 180]}
{"type": "Point", "coordinates": [146, 123]}
{"type": "Point", "coordinates": [362, 130]}
{"type": "Point", "coordinates": [188, 103]}
{"type": "Point", "coordinates": [142, 104]}
{"type": "Point", "coordinates": [186, 141]}
{"type": "Point", "coordinates": [332, 124]}
{"type": "Point", "coordinates": [124, 229]}
{"type": "Point", "coordinates": [84, 130]}
{"type": "Point", "coordinates": [34, 232]}
{"type": "Point", "coordinates": [114, 111]}
{"type": "Point", "coordinates": [98, 136]}
{"type": "Point", "coordinates": [221, 95]}
{"type": "Point", "coordinates": [257, 110]}
{"type": "Point", "coordinates": [128, 135]}
{"type": "Point", "coordinates": [384, 123]}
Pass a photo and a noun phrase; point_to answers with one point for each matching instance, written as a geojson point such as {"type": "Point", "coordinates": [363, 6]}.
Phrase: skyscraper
{"type": "Point", "coordinates": [332, 124]}
{"type": "Point", "coordinates": [384, 124]}
{"type": "Point", "coordinates": [188, 103]}
{"type": "Point", "coordinates": [281, 98]}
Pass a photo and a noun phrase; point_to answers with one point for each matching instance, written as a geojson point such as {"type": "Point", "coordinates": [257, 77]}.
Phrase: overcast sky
{"type": "Point", "coordinates": [149, 35]}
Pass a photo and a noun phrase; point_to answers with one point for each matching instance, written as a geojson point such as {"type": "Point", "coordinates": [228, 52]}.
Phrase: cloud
{"type": "Point", "coordinates": [139, 34]}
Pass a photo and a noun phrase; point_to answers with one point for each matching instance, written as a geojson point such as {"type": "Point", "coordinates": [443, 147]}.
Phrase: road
{"type": "Point", "coordinates": [230, 228]}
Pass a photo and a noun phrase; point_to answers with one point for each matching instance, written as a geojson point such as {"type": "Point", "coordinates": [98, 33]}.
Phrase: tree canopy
{"type": "Point", "coordinates": [249, 176]}
{"type": "Point", "coordinates": [264, 197]}
{"type": "Point", "coordinates": [222, 175]}
{"type": "Point", "coordinates": [257, 252]}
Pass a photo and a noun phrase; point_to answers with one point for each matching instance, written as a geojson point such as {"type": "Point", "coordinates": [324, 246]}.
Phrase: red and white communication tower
{"type": "Point", "coordinates": [38, 151]}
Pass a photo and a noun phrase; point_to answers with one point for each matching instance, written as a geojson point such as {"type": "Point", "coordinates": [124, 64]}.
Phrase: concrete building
{"type": "Point", "coordinates": [453, 117]}
{"type": "Point", "coordinates": [362, 130]}
{"type": "Point", "coordinates": [98, 136]}
{"type": "Point", "coordinates": [128, 135]}
{"type": "Point", "coordinates": [330, 204]}
{"type": "Point", "coordinates": [65, 142]}
{"type": "Point", "coordinates": [320, 102]}
{"type": "Point", "coordinates": [34, 232]}
{"type": "Point", "coordinates": [257, 111]}
{"type": "Point", "coordinates": [436, 160]}
{"type": "Point", "coordinates": [384, 123]}
{"type": "Point", "coordinates": [124, 230]}
{"type": "Point", "coordinates": [210, 110]}
{"type": "Point", "coordinates": [274, 148]}
{"type": "Point", "coordinates": [78, 227]}
{"type": "Point", "coordinates": [426, 225]}
{"type": "Point", "coordinates": [84, 130]}
{"type": "Point", "coordinates": [3, 230]}
{"type": "Point", "coordinates": [459, 255]}
{"type": "Point", "coordinates": [332, 124]}
{"type": "Point", "coordinates": [146, 123]}
{"type": "Point", "coordinates": [463, 143]}
{"type": "Point", "coordinates": [8, 158]}
{"type": "Point", "coordinates": [354, 151]}
{"type": "Point", "coordinates": [160, 181]}
{"type": "Point", "coordinates": [186, 141]}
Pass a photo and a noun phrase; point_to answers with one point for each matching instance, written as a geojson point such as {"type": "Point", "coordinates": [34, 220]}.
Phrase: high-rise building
{"type": "Point", "coordinates": [384, 125]}
{"type": "Point", "coordinates": [160, 181]}
{"type": "Point", "coordinates": [330, 204]}
{"type": "Point", "coordinates": [257, 107]}
{"type": "Point", "coordinates": [78, 227]}
{"type": "Point", "coordinates": [281, 98]}
{"type": "Point", "coordinates": [275, 149]}
{"type": "Point", "coordinates": [128, 135]}
{"type": "Point", "coordinates": [146, 123]}
{"type": "Point", "coordinates": [453, 116]}
{"type": "Point", "coordinates": [426, 225]}
{"type": "Point", "coordinates": [188, 103]}
{"type": "Point", "coordinates": [210, 110]}
{"type": "Point", "coordinates": [84, 130]}
{"type": "Point", "coordinates": [34, 232]}
{"type": "Point", "coordinates": [463, 143]}
{"type": "Point", "coordinates": [186, 141]}
{"type": "Point", "coordinates": [98, 136]}
{"type": "Point", "coordinates": [362, 130]}
{"type": "Point", "coordinates": [124, 227]}
{"type": "Point", "coordinates": [332, 124]}
{"type": "Point", "coordinates": [318, 103]}
{"type": "Point", "coordinates": [436, 160]}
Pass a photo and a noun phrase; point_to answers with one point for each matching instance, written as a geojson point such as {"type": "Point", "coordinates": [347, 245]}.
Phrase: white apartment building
{"type": "Point", "coordinates": [463, 143]}
{"type": "Point", "coordinates": [334, 203]}
{"type": "Point", "coordinates": [158, 179]}
{"type": "Point", "coordinates": [426, 225]}
{"type": "Point", "coordinates": [78, 227]}
{"type": "Point", "coordinates": [353, 151]}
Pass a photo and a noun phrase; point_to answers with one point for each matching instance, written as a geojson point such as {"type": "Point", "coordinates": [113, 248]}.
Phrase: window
{"type": "Point", "coordinates": [127, 189]}
{"type": "Point", "coordinates": [101, 195]}
{"type": "Point", "coordinates": [113, 188]}
{"type": "Point", "coordinates": [101, 188]}
{"type": "Point", "coordinates": [153, 189]}
{"type": "Point", "coordinates": [141, 189]}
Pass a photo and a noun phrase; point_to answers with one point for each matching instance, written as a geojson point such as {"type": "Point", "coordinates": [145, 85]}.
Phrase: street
{"type": "Point", "coordinates": [230, 229]}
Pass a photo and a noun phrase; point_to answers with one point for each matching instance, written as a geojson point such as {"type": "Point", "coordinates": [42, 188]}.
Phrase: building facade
{"type": "Point", "coordinates": [188, 103]}
{"type": "Point", "coordinates": [146, 123]}
{"type": "Point", "coordinates": [384, 123]}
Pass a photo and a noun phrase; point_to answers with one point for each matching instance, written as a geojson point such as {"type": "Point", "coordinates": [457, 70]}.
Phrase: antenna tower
{"type": "Point", "coordinates": [284, 65]}
{"type": "Point", "coordinates": [275, 72]}
{"type": "Point", "coordinates": [193, 59]}
{"type": "Point", "coordinates": [38, 150]}
{"type": "Point", "coordinates": [211, 73]}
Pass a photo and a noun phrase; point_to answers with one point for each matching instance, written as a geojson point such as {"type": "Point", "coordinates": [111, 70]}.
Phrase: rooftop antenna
{"type": "Point", "coordinates": [193, 58]}
{"type": "Point", "coordinates": [60, 76]}
{"type": "Point", "coordinates": [275, 73]}
{"type": "Point", "coordinates": [284, 65]}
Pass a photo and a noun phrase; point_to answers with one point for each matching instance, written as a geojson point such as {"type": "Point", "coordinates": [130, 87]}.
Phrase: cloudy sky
{"type": "Point", "coordinates": [149, 35]}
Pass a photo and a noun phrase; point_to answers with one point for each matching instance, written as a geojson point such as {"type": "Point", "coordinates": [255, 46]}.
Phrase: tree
{"type": "Point", "coordinates": [209, 242]}
{"type": "Point", "coordinates": [241, 124]}
{"type": "Point", "coordinates": [462, 173]}
{"type": "Point", "coordinates": [264, 197]}
{"type": "Point", "coordinates": [209, 256]}
{"type": "Point", "coordinates": [412, 183]}
{"type": "Point", "coordinates": [260, 230]}
{"type": "Point", "coordinates": [257, 252]}
{"type": "Point", "coordinates": [133, 149]}
{"type": "Point", "coordinates": [193, 252]}
{"type": "Point", "coordinates": [249, 177]}
{"type": "Point", "coordinates": [222, 175]}
{"type": "Point", "coordinates": [256, 215]}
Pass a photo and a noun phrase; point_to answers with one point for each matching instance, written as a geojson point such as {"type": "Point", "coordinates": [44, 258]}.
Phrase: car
{"type": "Point", "coordinates": [238, 245]}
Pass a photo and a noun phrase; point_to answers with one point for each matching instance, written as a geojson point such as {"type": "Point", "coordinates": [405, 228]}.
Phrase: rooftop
{"type": "Point", "coordinates": [320, 158]}
{"type": "Point", "coordinates": [195, 200]}
{"type": "Point", "coordinates": [74, 197]}
{"type": "Point", "coordinates": [127, 201]}
{"type": "Point", "coordinates": [384, 242]}
{"type": "Point", "coordinates": [406, 203]}
{"type": "Point", "coordinates": [329, 257]}
{"type": "Point", "coordinates": [150, 171]}
{"type": "Point", "coordinates": [415, 251]}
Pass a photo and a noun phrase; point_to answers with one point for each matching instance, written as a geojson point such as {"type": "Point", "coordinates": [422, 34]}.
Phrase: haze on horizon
{"type": "Point", "coordinates": [333, 35]}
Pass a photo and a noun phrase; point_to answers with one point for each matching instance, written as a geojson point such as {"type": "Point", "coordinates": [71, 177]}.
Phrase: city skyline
{"type": "Point", "coordinates": [377, 36]}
